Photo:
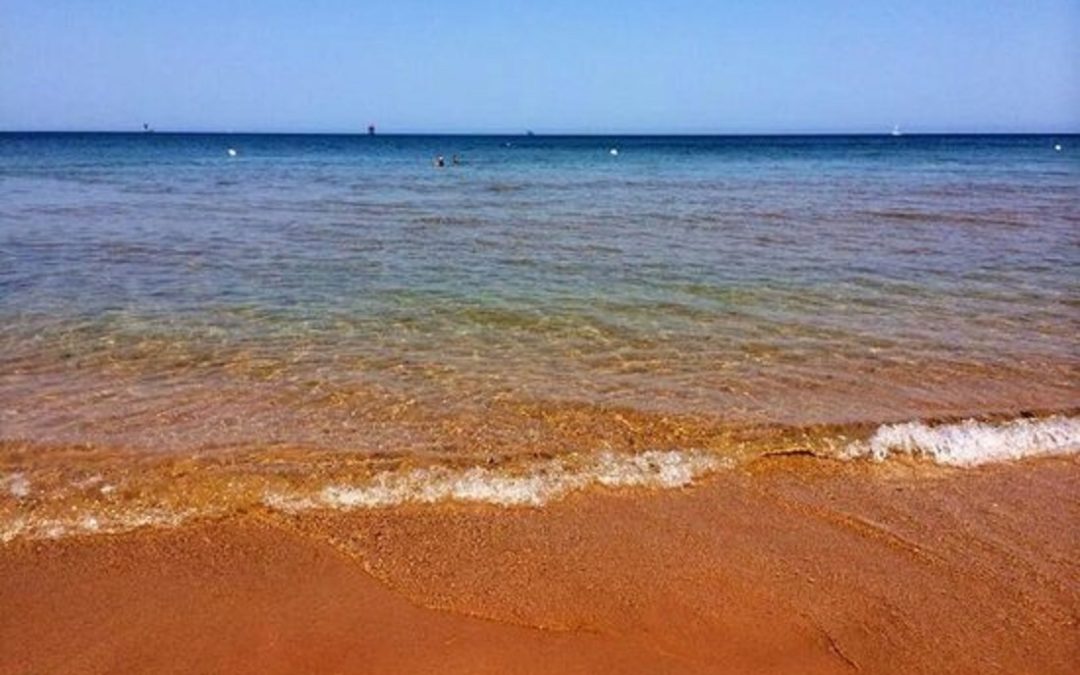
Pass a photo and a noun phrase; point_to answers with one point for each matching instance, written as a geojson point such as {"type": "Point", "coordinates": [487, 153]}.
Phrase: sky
{"type": "Point", "coordinates": [552, 66]}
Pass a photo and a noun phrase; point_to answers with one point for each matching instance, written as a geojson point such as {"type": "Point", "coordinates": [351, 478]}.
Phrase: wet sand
{"type": "Point", "coordinates": [793, 564]}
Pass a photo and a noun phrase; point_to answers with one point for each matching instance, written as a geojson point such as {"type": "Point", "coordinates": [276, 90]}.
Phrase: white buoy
{"type": "Point", "coordinates": [614, 152]}
{"type": "Point", "coordinates": [1057, 146]}
{"type": "Point", "coordinates": [232, 152]}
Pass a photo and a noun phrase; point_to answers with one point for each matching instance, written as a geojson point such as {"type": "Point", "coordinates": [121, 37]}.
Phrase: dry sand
{"type": "Point", "coordinates": [795, 565]}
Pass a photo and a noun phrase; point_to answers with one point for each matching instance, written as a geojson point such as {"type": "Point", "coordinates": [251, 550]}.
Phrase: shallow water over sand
{"type": "Point", "coordinates": [340, 298]}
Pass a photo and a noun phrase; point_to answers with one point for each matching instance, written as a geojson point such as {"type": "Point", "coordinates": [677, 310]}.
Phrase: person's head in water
{"type": "Point", "coordinates": [455, 160]}
{"type": "Point", "coordinates": [439, 161]}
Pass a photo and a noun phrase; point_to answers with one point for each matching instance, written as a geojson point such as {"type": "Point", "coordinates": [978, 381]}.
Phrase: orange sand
{"type": "Point", "coordinates": [796, 565]}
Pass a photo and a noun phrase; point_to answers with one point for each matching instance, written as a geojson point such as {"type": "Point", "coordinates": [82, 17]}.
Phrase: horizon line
{"type": "Point", "coordinates": [531, 134]}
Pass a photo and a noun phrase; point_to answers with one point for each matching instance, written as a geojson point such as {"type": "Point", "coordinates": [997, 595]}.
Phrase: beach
{"type": "Point", "coordinates": [793, 565]}
{"type": "Point", "coordinates": [310, 403]}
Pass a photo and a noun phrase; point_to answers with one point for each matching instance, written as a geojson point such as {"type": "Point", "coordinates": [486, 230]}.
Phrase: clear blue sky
{"type": "Point", "coordinates": [618, 66]}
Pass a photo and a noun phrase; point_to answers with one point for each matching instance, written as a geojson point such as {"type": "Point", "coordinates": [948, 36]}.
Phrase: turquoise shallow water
{"type": "Point", "coordinates": [343, 291]}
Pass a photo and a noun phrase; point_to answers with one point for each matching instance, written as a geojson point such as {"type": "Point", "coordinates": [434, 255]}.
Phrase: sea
{"type": "Point", "coordinates": [196, 324]}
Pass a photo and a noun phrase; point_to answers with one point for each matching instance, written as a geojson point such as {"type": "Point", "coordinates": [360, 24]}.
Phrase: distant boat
{"type": "Point", "coordinates": [371, 130]}
{"type": "Point", "coordinates": [146, 128]}
{"type": "Point", "coordinates": [529, 133]}
{"type": "Point", "coordinates": [896, 131]}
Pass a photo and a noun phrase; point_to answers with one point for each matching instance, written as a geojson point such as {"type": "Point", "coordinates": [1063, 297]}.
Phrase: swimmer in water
{"type": "Point", "coordinates": [455, 160]}
{"type": "Point", "coordinates": [439, 162]}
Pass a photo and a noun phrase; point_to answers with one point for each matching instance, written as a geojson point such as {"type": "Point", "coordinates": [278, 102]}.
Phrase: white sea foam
{"type": "Point", "coordinates": [531, 485]}
{"type": "Point", "coordinates": [56, 528]}
{"type": "Point", "coordinates": [966, 443]}
{"type": "Point", "coordinates": [970, 443]}
{"type": "Point", "coordinates": [16, 485]}
{"type": "Point", "coordinates": [535, 486]}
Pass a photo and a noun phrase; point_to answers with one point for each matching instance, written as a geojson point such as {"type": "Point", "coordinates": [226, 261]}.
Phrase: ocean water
{"type": "Point", "coordinates": [320, 309]}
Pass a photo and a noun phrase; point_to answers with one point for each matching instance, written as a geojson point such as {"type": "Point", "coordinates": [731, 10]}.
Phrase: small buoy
{"type": "Point", "coordinates": [232, 152]}
{"type": "Point", "coordinates": [1057, 147]}
{"type": "Point", "coordinates": [614, 152]}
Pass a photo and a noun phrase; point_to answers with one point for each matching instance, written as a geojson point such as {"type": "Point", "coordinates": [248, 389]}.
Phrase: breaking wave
{"type": "Point", "coordinates": [532, 484]}
{"type": "Point", "coordinates": [539, 485]}
{"type": "Point", "coordinates": [114, 503]}
{"type": "Point", "coordinates": [971, 442]}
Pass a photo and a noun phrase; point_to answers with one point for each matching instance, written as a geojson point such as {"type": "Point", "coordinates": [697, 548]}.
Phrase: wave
{"type": "Point", "coordinates": [93, 505]}
{"type": "Point", "coordinates": [94, 523]}
{"type": "Point", "coordinates": [536, 486]}
{"type": "Point", "coordinates": [972, 442]}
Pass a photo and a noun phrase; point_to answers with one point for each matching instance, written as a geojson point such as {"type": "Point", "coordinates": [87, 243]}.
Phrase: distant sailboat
{"type": "Point", "coordinates": [896, 130]}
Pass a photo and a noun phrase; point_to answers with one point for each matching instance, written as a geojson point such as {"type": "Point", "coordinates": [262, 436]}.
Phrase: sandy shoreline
{"type": "Point", "coordinates": [792, 565]}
